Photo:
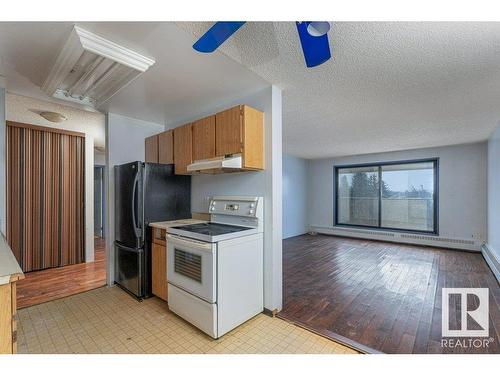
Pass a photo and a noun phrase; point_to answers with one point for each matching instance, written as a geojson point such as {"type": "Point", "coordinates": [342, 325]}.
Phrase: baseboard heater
{"type": "Point", "coordinates": [410, 238]}
{"type": "Point", "coordinates": [492, 260]}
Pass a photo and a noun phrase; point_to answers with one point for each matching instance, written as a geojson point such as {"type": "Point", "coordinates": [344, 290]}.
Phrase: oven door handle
{"type": "Point", "coordinates": [189, 242]}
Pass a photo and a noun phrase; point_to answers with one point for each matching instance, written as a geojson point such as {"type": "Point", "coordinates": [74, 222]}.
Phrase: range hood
{"type": "Point", "coordinates": [230, 163]}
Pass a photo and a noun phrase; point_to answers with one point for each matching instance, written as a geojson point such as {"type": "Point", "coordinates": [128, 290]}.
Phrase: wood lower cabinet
{"type": "Point", "coordinates": [8, 318]}
{"type": "Point", "coordinates": [151, 149]}
{"type": "Point", "coordinates": [183, 148]}
{"type": "Point", "coordinates": [159, 264]}
{"type": "Point", "coordinates": [166, 147]}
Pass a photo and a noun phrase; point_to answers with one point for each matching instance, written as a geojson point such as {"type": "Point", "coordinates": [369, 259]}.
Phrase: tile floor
{"type": "Point", "coordinates": [107, 320]}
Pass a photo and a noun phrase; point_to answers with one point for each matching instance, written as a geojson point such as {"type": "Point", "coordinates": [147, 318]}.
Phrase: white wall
{"type": "Point", "coordinates": [124, 144]}
{"type": "Point", "coordinates": [295, 185]}
{"type": "Point", "coordinates": [3, 150]}
{"type": "Point", "coordinates": [493, 241]}
{"type": "Point", "coordinates": [462, 187]}
{"type": "Point", "coordinates": [266, 184]}
{"type": "Point", "coordinates": [99, 157]}
{"type": "Point", "coordinates": [26, 110]}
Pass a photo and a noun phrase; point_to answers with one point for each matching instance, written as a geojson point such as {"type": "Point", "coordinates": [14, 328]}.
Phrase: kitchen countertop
{"type": "Point", "coordinates": [9, 268]}
{"type": "Point", "coordinates": [174, 223]}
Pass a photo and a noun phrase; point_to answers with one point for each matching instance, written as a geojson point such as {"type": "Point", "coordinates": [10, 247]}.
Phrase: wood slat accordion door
{"type": "Point", "coordinates": [45, 195]}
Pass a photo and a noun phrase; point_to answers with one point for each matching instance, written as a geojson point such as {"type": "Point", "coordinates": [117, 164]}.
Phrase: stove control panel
{"type": "Point", "coordinates": [237, 210]}
{"type": "Point", "coordinates": [235, 206]}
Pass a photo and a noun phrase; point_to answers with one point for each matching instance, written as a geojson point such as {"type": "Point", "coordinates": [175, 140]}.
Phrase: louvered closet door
{"type": "Point", "coordinates": [45, 191]}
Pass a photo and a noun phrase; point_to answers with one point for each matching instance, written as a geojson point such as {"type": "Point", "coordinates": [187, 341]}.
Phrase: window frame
{"type": "Point", "coordinates": [379, 165]}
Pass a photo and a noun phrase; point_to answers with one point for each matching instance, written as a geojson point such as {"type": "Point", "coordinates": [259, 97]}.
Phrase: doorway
{"type": "Point", "coordinates": [99, 201]}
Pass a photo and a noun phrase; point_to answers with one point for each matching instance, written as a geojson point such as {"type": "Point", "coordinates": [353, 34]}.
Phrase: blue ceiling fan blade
{"type": "Point", "coordinates": [316, 48]}
{"type": "Point", "coordinates": [216, 35]}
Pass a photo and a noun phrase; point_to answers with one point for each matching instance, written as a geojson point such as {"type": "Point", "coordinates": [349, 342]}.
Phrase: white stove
{"type": "Point", "coordinates": [215, 269]}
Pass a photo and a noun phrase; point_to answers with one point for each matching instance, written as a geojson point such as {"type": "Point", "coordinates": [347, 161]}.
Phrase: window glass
{"type": "Point", "coordinates": [408, 196]}
{"type": "Point", "coordinates": [358, 196]}
{"type": "Point", "coordinates": [388, 196]}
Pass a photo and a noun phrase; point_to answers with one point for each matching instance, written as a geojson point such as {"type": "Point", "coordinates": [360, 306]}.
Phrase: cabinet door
{"type": "Point", "coordinates": [228, 131]}
{"type": "Point", "coordinates": [204, 138]}
{"type": "Point", "coordinates": [183, 148]}
{"type": "Point", "coordinates": [159, 270]}
{"type": "Point", "coordinates": [166, 147]}
{"type": "Point", "coordinates": [6, 313]}
{"type": "Point", "coordinates": [253, 138]}
{"type": "Point", "coordinates": [151, 147]}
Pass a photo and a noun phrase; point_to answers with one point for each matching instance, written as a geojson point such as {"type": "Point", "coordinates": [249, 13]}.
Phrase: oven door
{"type": "Point", "coordinates": [191, 266]}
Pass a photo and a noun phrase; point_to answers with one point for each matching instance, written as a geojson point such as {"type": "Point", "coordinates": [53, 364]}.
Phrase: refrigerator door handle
{"type": "Point", "coordinates": [128, 248]}
{"type": "Point", "coordinates": [137, 229]}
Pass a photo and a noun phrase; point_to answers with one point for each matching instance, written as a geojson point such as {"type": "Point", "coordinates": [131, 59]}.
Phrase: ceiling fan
{"type": "Point", "coordinates": [313, 37]}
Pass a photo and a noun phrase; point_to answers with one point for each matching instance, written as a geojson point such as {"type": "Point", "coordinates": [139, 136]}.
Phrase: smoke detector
{"type": "Point", "coordinates": [90, 69]}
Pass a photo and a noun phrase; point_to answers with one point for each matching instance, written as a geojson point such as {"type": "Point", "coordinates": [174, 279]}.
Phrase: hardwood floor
{"type": "Point", "coordinates": [379, 296]}
{"type": "Point", "coordinates": [53, 283]}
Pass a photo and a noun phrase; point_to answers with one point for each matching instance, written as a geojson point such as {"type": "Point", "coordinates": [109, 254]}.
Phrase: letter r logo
{"type": "Point", "coordinates": [463, 315]}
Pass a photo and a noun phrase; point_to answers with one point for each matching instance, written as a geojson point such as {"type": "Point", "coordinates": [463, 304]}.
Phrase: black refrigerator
{"type": "Point", "coordinates": [144, 193]}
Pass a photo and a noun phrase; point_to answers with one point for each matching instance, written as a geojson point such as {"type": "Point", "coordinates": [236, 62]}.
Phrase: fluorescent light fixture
{"type": "Point", "coordinates": [91, 69]}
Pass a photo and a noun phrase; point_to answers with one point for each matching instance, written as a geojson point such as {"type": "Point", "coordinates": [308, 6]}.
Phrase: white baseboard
{"type": "Point", "coordinates": [492, 260]}
{"type": "Point", "coordinates": [402, 237]}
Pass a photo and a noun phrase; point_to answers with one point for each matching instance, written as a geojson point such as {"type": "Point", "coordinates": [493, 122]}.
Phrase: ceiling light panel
{"type": "Point", "coordinates": [90, 69]}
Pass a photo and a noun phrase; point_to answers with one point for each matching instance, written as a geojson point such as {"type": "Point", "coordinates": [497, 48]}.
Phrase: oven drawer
{"type": "Point", "coordinates": [193, 309]}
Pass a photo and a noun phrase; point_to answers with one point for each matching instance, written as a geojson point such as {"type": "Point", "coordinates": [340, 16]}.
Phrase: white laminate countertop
{"type": "Point", "coordinates": [8, 263]}
{"type": "Point", "coordinates": [175, 223]}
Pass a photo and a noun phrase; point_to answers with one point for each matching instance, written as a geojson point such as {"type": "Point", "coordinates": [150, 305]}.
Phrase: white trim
{"type": "Point", "coordinates": [492, 261]}
{"type": "Point", "coordinates": [103, 47]}
{"type": "Point", "coordinates": [273, 263]}
{"type": "Point", "coordinates": [401, 237]}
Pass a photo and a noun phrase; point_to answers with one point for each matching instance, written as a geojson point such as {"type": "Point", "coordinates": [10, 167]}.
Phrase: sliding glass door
{"type": "Point", "coordinates": [396, 195]}
{"type": "Point", "coordinates": [358, 196]}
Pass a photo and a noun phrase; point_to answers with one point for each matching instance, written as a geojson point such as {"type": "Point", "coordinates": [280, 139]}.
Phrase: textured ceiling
{"type": "Point", "coordinates": [388, 86]}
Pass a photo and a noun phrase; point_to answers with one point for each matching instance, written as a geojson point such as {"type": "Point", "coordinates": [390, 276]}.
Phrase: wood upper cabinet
{"type": "Point", "coordinates": [228, 129]}
{"type": "Point", "coordinates": [237, 130]}
{"type": "Point", "coordinates": [204, 138]}
{"type": "Point", "coordinates": [241, 130]}
{"type": "Point", "coordinates": [166, 147]}
{"type": "Point", "coordinates": [151, 149]}
{"type": "Point", "coordinates": [183, 148]}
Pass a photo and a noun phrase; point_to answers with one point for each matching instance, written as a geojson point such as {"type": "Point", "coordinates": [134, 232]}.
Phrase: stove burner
{"type": "Point", "coordinates": [212, 229]}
